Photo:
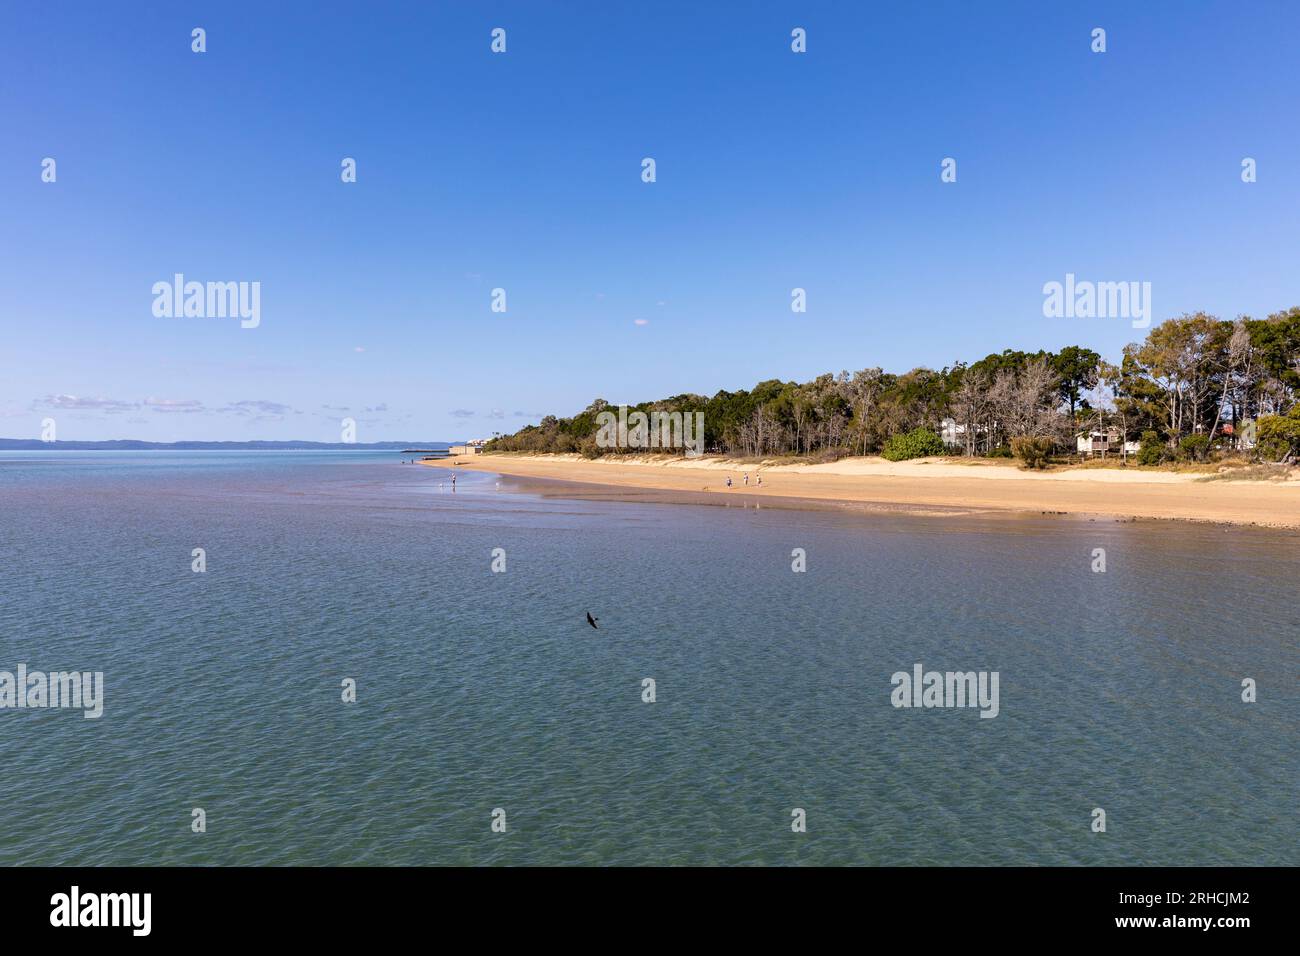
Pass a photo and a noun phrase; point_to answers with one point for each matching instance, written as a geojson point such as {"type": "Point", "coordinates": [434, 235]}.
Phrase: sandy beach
{"type": "Point", "coordinates": [953, 486]}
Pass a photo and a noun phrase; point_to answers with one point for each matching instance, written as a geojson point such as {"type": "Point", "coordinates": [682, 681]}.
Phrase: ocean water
{"type": "Point", "coordinates": [481, 690]}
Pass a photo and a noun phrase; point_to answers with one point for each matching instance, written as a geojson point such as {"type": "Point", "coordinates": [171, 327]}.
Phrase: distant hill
{"type": "Point", "coordinates": [32, 444]}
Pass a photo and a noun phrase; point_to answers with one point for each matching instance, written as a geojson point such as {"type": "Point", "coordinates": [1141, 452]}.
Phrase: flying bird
{"type": "Point", "coordinates": [592, 620]}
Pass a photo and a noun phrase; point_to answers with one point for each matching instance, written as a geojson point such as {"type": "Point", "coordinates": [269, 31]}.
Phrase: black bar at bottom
{"type": "Point", "coordinates": [213, 905]}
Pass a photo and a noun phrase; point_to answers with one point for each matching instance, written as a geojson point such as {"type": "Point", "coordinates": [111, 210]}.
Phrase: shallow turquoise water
{"type": "Point", "coordinates": [480, 690]}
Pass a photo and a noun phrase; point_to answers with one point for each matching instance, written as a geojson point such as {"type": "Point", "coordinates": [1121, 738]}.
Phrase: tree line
{"type": "Point", "coordinates": [1196, 386]}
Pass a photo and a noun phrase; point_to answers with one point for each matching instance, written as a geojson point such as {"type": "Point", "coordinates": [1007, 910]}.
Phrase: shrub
{"type": "Point", "coordinates": [1278, 435]}
{"type": "Point", "coordinates": [1194, 446]}
{"type": "Point", "coordinates": [918, 443]}
{"type": "Point", "coordinates": [1152, 450]}
{"type": "Point", "coordinates": [1032, 450]}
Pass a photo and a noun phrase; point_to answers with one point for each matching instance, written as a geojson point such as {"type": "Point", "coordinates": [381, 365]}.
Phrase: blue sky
{"type": "Point", "coordinates": [522, 171]}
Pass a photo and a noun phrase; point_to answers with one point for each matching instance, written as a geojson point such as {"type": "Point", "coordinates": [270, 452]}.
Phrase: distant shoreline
{"type": "Point", "coordinates": [949, 485]}
{"type": "Point", "coordinates": [129, 444]}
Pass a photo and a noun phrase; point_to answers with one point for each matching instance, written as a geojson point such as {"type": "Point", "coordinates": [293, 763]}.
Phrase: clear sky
{"type": "Point", "coordinates": [522, 171]}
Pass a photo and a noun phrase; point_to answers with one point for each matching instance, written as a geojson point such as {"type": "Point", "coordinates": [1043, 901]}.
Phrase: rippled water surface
{"type": "Point", "coordinates": [480, 690]}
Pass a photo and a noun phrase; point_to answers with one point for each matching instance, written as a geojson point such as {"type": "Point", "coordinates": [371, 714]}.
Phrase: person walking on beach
{"type": "Point", "coordinates": [728, 481]}
{"type": "Point", "coordinates": [760, 480]}
{"type": "Point", "coordinates": [746, 478]}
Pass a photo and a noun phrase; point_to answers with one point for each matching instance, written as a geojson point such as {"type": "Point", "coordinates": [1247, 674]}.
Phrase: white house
{"type": "Point", "coordinates": [1104, 441]}
{"type": "Point", "coordinates": [953, 435]}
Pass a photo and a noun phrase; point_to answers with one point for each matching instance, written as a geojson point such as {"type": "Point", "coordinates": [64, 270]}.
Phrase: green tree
{"type": "Point", "coordinates": [1152, 449]}
{"type": "Point", "coordinates": [1194, 446]}
{"type": "Point", "coordinates": [1279, 435]}
{"type": "Point", "coordinates": [1076, 371]}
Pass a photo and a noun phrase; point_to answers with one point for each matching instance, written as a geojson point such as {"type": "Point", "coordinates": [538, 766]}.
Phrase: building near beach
{"type": "Point", "coordinates": [1104, 441]}
{"type": "Point", "coordinates": [952, 434]}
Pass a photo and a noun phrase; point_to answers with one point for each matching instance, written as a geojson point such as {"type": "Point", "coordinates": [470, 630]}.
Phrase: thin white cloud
{"type": "Point", "coordinates": [80, 403]}
{"type": "Point", "coordinates": [185, 406]}
{"type": "Point", "coordinates": [257, 407]}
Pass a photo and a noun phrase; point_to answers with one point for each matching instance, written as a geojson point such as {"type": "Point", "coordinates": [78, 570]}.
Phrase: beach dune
{"type": "Point", "coordinates": [972, 486]}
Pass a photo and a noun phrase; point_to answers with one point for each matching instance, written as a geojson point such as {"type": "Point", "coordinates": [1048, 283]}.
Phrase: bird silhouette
{"type": "Point", "coordinates": [592, 620]}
